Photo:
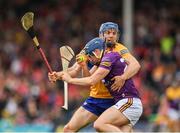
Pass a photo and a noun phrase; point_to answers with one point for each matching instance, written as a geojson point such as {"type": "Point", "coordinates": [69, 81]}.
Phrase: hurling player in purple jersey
{"type": "Point", "coordinates": [128, 107]}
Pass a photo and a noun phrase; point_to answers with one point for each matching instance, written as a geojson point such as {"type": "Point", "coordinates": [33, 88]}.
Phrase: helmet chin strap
{"type": "Point", "coordinates": [100, 55]}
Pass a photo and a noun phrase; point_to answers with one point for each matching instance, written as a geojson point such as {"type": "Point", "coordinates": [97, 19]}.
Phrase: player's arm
{"type": "Point", "coordinates": [77, 67]}
{"type": "Point", "coordinates": [93, 69]}
{"type": "Point", "coordinates": [98, 75]}
{"type": "Point", "coordinates": [54, 76]}
{"type": "Point", "coordinates": [72, 67]}
{"type": "Point", "coordinates": [87, 72]}
{"type": "Point", "coordinates": [82, 60]}
{"type": "Point", "coordinates": [133, 67]}
{"type": "Point", "coordinates": [74, 70]}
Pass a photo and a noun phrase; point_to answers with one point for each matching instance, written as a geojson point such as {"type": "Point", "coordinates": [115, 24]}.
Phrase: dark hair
{"type": "Point", "coordinates": [110, 44]}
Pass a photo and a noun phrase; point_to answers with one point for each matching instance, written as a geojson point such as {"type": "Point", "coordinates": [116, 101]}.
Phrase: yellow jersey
{"type": "Point", "coordinates": [173, 93]}
{"type": "Point", "coordinates": [99, 90]}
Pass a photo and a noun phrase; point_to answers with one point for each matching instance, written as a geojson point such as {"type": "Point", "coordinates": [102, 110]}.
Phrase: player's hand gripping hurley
{"type": "Point", "coordinates": [66, 54]}
{"type": "Point", "coordinates": [27, 23]}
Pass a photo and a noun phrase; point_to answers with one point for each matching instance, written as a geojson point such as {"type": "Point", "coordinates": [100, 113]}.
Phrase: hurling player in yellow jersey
{"type": "Point", "coordinates": [100, 98]}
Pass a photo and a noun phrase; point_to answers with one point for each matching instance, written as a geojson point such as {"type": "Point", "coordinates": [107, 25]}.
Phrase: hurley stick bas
{"type": "Point", "coordinates": [27, 24]}
{"type": "Point", "coordinates": [66, 54]}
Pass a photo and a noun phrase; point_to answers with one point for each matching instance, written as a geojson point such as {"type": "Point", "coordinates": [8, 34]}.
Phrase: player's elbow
{"type": "Point", "coordinates": [135, 66]}
{"type": "Point", "coordinates": [138, 66]}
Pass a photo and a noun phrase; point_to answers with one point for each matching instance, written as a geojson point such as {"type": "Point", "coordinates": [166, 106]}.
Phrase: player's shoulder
{"type": "Point", "coordinates": [120, 46]}
{"type": "Point", "coordinates": [111, 55]}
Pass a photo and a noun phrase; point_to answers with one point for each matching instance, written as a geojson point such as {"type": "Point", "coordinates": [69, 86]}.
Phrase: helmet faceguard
{"type": "Point", "coordinates": [108, 25]}
{"type": "Point", "coordinates": [96, 43]}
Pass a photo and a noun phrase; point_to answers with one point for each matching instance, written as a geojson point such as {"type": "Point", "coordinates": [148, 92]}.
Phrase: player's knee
{"type": "Point", "coordinates": [97, 125]}
{"type": "Point", "coordinates": [67, 128]}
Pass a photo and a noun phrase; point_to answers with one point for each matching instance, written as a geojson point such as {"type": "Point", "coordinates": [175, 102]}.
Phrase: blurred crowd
{"type": "Point", "coordinates": [26, 95]}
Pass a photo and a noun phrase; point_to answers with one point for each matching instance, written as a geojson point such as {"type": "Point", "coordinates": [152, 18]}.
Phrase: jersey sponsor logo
{"type": "Point", "coordinates": [124, 51]}
{"type": "Point", "coordinates": [105, 63]}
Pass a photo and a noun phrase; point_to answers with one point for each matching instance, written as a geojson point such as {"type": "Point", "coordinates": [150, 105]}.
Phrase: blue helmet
{"type": "Point", "coordinates": [96, 43]}
{"type": "Point", "coordinates": [108, 25]}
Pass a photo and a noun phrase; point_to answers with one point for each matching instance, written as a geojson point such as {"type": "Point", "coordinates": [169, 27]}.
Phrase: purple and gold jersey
{"type": "Point", "coordinates": [117, 65]}
{"type": "Point", "coordinates": [99, 90]}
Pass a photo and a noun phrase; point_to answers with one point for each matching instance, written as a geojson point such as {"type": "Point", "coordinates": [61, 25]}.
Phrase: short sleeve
{"type": "Point", "coordinates": [106, 62]}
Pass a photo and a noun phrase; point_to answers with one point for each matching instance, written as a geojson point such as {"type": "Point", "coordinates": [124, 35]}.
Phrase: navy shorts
{"type": "Point", "coordinates": [97, 105]}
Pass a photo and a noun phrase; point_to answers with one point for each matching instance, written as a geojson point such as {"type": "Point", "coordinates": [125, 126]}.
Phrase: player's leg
{"type": "Point", "coordinates": [110, 120]}
{"type": "Point", "coordinates": [81, 118]}
{"type": "Point", "coordinates": [126, 128]}
{"type": "Point", "coordinates": [88, 113]}
{"type": "Point", "coordinates": [126, 111]}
